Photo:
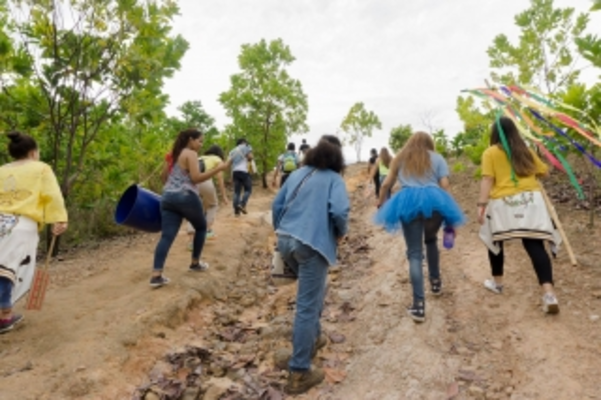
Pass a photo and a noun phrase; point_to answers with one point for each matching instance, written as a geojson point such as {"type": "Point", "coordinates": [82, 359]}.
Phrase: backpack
{"type": "Point", "coordinates": [289, 163]}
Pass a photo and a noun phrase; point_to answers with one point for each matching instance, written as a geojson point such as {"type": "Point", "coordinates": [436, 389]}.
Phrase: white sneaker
{"type": "Point", "coordinates": [491, 285]}
{"type": "Point", "coordinates": [550, 304]}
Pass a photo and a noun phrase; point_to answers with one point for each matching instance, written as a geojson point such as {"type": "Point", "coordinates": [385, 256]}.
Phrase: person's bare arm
{"type": "Point", "coordinates": [486, 186]}
{"type": "Point", "coordinates": [190, 160]}
{"type": "Point", "coordinates": [275, 174]}
{"type": "Point", "coordinates": [444, 183]}
{"type": "Point", "coordinates": [221, 184]}
{"type": "Point", "coordinates": [389, 181]}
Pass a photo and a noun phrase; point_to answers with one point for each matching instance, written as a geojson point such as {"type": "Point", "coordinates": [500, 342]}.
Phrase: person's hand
{"type": "Point", "coordinates": [59, 228]}
{"type": "Point", "coordinates": [225, 201]}
{"type": "Point", "coordinates": [222, 166]}
{"type": "Point", "coordinates": [481, 212]}
{"type": "Point", "coordinates": [274, 185]}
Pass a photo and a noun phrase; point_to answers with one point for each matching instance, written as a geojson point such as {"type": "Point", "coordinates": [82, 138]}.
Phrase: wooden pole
{"type": "Point", "coordinates": [555, 219]}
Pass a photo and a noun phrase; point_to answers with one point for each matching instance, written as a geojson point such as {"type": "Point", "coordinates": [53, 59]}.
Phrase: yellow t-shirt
{"type": "Point", "coordinates": [496, 164]}
{"type": "Point", "coordinates": [31, 189]}
{"type": "Point", "coordinates": [211, 161]}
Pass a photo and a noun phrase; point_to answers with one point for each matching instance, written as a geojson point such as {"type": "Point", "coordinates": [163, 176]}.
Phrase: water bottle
{"type": "Point", "coordinates": [448, 237]}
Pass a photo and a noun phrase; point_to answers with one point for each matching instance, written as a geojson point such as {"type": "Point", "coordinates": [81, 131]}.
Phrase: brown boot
{"type": "Point", "coordinates": [282, 357]}
{"type": "Point", "coordinates": [301, 382]}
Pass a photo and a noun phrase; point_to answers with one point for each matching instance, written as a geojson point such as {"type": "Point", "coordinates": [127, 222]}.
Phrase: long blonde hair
{"type": "Point", "coordinates": [385, 157]}
{"type": "Point", "coordinates": [414, 158]}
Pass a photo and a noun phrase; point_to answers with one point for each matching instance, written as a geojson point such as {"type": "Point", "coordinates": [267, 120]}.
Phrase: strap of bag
{"type": "Point", "coordinates": [294, 194]}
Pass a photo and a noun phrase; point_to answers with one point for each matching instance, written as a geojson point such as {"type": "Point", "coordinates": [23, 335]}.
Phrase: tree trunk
{"type": "Point", "coordinates": [264, 179]}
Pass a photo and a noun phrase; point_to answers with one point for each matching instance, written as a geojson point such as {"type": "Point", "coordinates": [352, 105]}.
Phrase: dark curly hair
{"type": "Point", "coordinates": [326, 155]}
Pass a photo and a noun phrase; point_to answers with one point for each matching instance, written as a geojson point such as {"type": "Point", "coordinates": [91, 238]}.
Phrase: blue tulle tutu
{"type": "Point", "coordinates": [413, 202]}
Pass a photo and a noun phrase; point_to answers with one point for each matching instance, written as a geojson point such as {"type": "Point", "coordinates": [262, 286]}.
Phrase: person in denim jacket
{"type": "Point", "coordinates": [310, 217]}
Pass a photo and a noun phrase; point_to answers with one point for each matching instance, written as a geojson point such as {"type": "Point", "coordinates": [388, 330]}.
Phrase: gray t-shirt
{"type": "Point", "coordinates": [439, 170]}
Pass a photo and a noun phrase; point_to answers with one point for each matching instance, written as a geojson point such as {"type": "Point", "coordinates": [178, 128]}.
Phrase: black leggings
{"type": "Point", "coordinates": [538, 255]}
{"type": "Point", "coordinates": [377, 183]}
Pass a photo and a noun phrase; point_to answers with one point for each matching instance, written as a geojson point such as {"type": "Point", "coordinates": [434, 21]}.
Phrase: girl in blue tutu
{"type": "Point", "coordinates": [419, 208]}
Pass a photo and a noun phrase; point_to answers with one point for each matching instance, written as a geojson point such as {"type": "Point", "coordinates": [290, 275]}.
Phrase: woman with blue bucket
{"type": "Point", "coordinates": [420, 207]}
{"type": "Point", "coordinates": [180, 201]}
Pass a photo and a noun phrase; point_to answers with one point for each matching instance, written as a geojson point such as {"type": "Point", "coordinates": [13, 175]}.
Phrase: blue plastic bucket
{"type": "Point", "coordinates": [140, 209]}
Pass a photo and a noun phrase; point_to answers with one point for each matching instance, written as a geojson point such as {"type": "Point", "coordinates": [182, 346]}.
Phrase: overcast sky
{"type": "Point", "coordinates": [406, 60]}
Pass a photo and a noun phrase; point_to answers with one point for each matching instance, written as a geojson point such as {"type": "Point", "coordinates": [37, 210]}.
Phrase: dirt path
{"type": "Point", "coordinates": [474, 344]}
{"type": "Point", "coordinates": [104, 333]}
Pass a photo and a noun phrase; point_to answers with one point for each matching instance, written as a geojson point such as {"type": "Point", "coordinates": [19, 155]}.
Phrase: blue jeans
{"type": "Point", "coordinates": [176, 206]}
{"type": "Point", "coordinates": [242, 180]}
{"type": "Point", "coordinates": [414, 231]}
{"type": "Point", "coordinates": [312, 271]}
{"type": "Point", "coordinates": [6, 288]}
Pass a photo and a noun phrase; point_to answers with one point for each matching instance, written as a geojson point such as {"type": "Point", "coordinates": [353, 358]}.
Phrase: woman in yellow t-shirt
{"type": "Point", "coordinates": [212, 158]}
{"type": "Point", "coordinates": [29, 197]}
{"type": "Point", "coordinates": [511, 206]}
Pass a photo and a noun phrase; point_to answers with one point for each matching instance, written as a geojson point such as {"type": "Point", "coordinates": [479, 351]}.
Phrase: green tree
{"type": "Point", "coordinates": [441, 142]}
{"type": "Point", "coordinates": [399, 136]}
{"type": "Point", "coordinates": [476, 128]}
{"type": "Point", "coordinates": [544, 54]}
{"type": "Point", "coordinates": [265, 104]}
{"type": "Point", "coordinates": [359, 124]}
{"type": "Point", "coordinates": [193, 115]}
{"type": "Point", "coordinates": [79, 66]}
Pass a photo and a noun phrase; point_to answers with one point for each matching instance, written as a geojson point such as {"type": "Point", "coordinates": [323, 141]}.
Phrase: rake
{"type": "Point", "coordinates": [40, 282]}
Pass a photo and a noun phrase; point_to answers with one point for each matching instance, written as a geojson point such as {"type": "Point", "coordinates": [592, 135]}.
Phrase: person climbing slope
{"type": "Point", "coordinates": [310, 217]}
{"type": "Point", "coordinates": [420, 207]}
{"type": "Point", "coordinates": [382, 164]}
{"type": "Point", "coordinates": [373, 172]}
{"type": "Point", "coordinates": [241, 157]}
{"type": "Point", "coordinates": [287, 163]}
{"type": "Point", "coordinates": [180, 201]}
{"type": "Point", "coordinates": [31, 197]}
{"type": "Point", "coordinates": [211, 159]}
{"type": "Point", "coordinates": [511, 206]}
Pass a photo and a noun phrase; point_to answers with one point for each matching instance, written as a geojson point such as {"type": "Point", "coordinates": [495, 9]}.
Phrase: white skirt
{"type": "Point", "coordinates": [523, 215]}
{"type": "Point", "coordinates": [18, 247]}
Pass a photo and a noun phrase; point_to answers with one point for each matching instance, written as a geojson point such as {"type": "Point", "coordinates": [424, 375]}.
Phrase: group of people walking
{"type": "Point", "coordinates": [310, 216]}
{"type": "Point", "coordinates": [190, 194]}
{"type": "Point", "coordinates": [311, 212]}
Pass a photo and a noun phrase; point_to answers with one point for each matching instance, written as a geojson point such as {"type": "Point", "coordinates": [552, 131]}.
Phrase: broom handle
{"type": "Point", "coordinates": [49, 255]}
{"type": "Point", "coordinates": [555, 218]}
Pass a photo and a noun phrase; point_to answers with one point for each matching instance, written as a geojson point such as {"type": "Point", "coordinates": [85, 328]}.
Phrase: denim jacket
{"type": "Point", "coordinates": [319, 213]}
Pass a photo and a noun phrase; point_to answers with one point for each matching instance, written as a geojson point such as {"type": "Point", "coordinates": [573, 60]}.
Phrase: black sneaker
{"type": "Point", "coordinates": [242, 209]}
{"type": "Point", "coordinates": [417, 311]}
{"type": "Point", "coordinates": [199, 267]}
{"type": "Point", "coordinates": [436, 287]}
{"type": "Point", "coordinates": [8, 325]}
{"type": "Point", "coordinates": [158, 281]}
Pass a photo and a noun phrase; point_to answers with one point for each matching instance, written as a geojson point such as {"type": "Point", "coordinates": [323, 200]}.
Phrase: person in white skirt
{"type": "Point", "coordinates": [511, 206]}
{"type": "Point", "coordinates": [29, 197]}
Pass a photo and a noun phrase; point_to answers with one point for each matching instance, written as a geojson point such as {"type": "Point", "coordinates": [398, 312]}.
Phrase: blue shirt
{"type": "Point", "coordinates": [319, 213]}
{"type": "Point", "coordinates": [439, 170]}
{"type": "Point", "coordinates": [238, 156]}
